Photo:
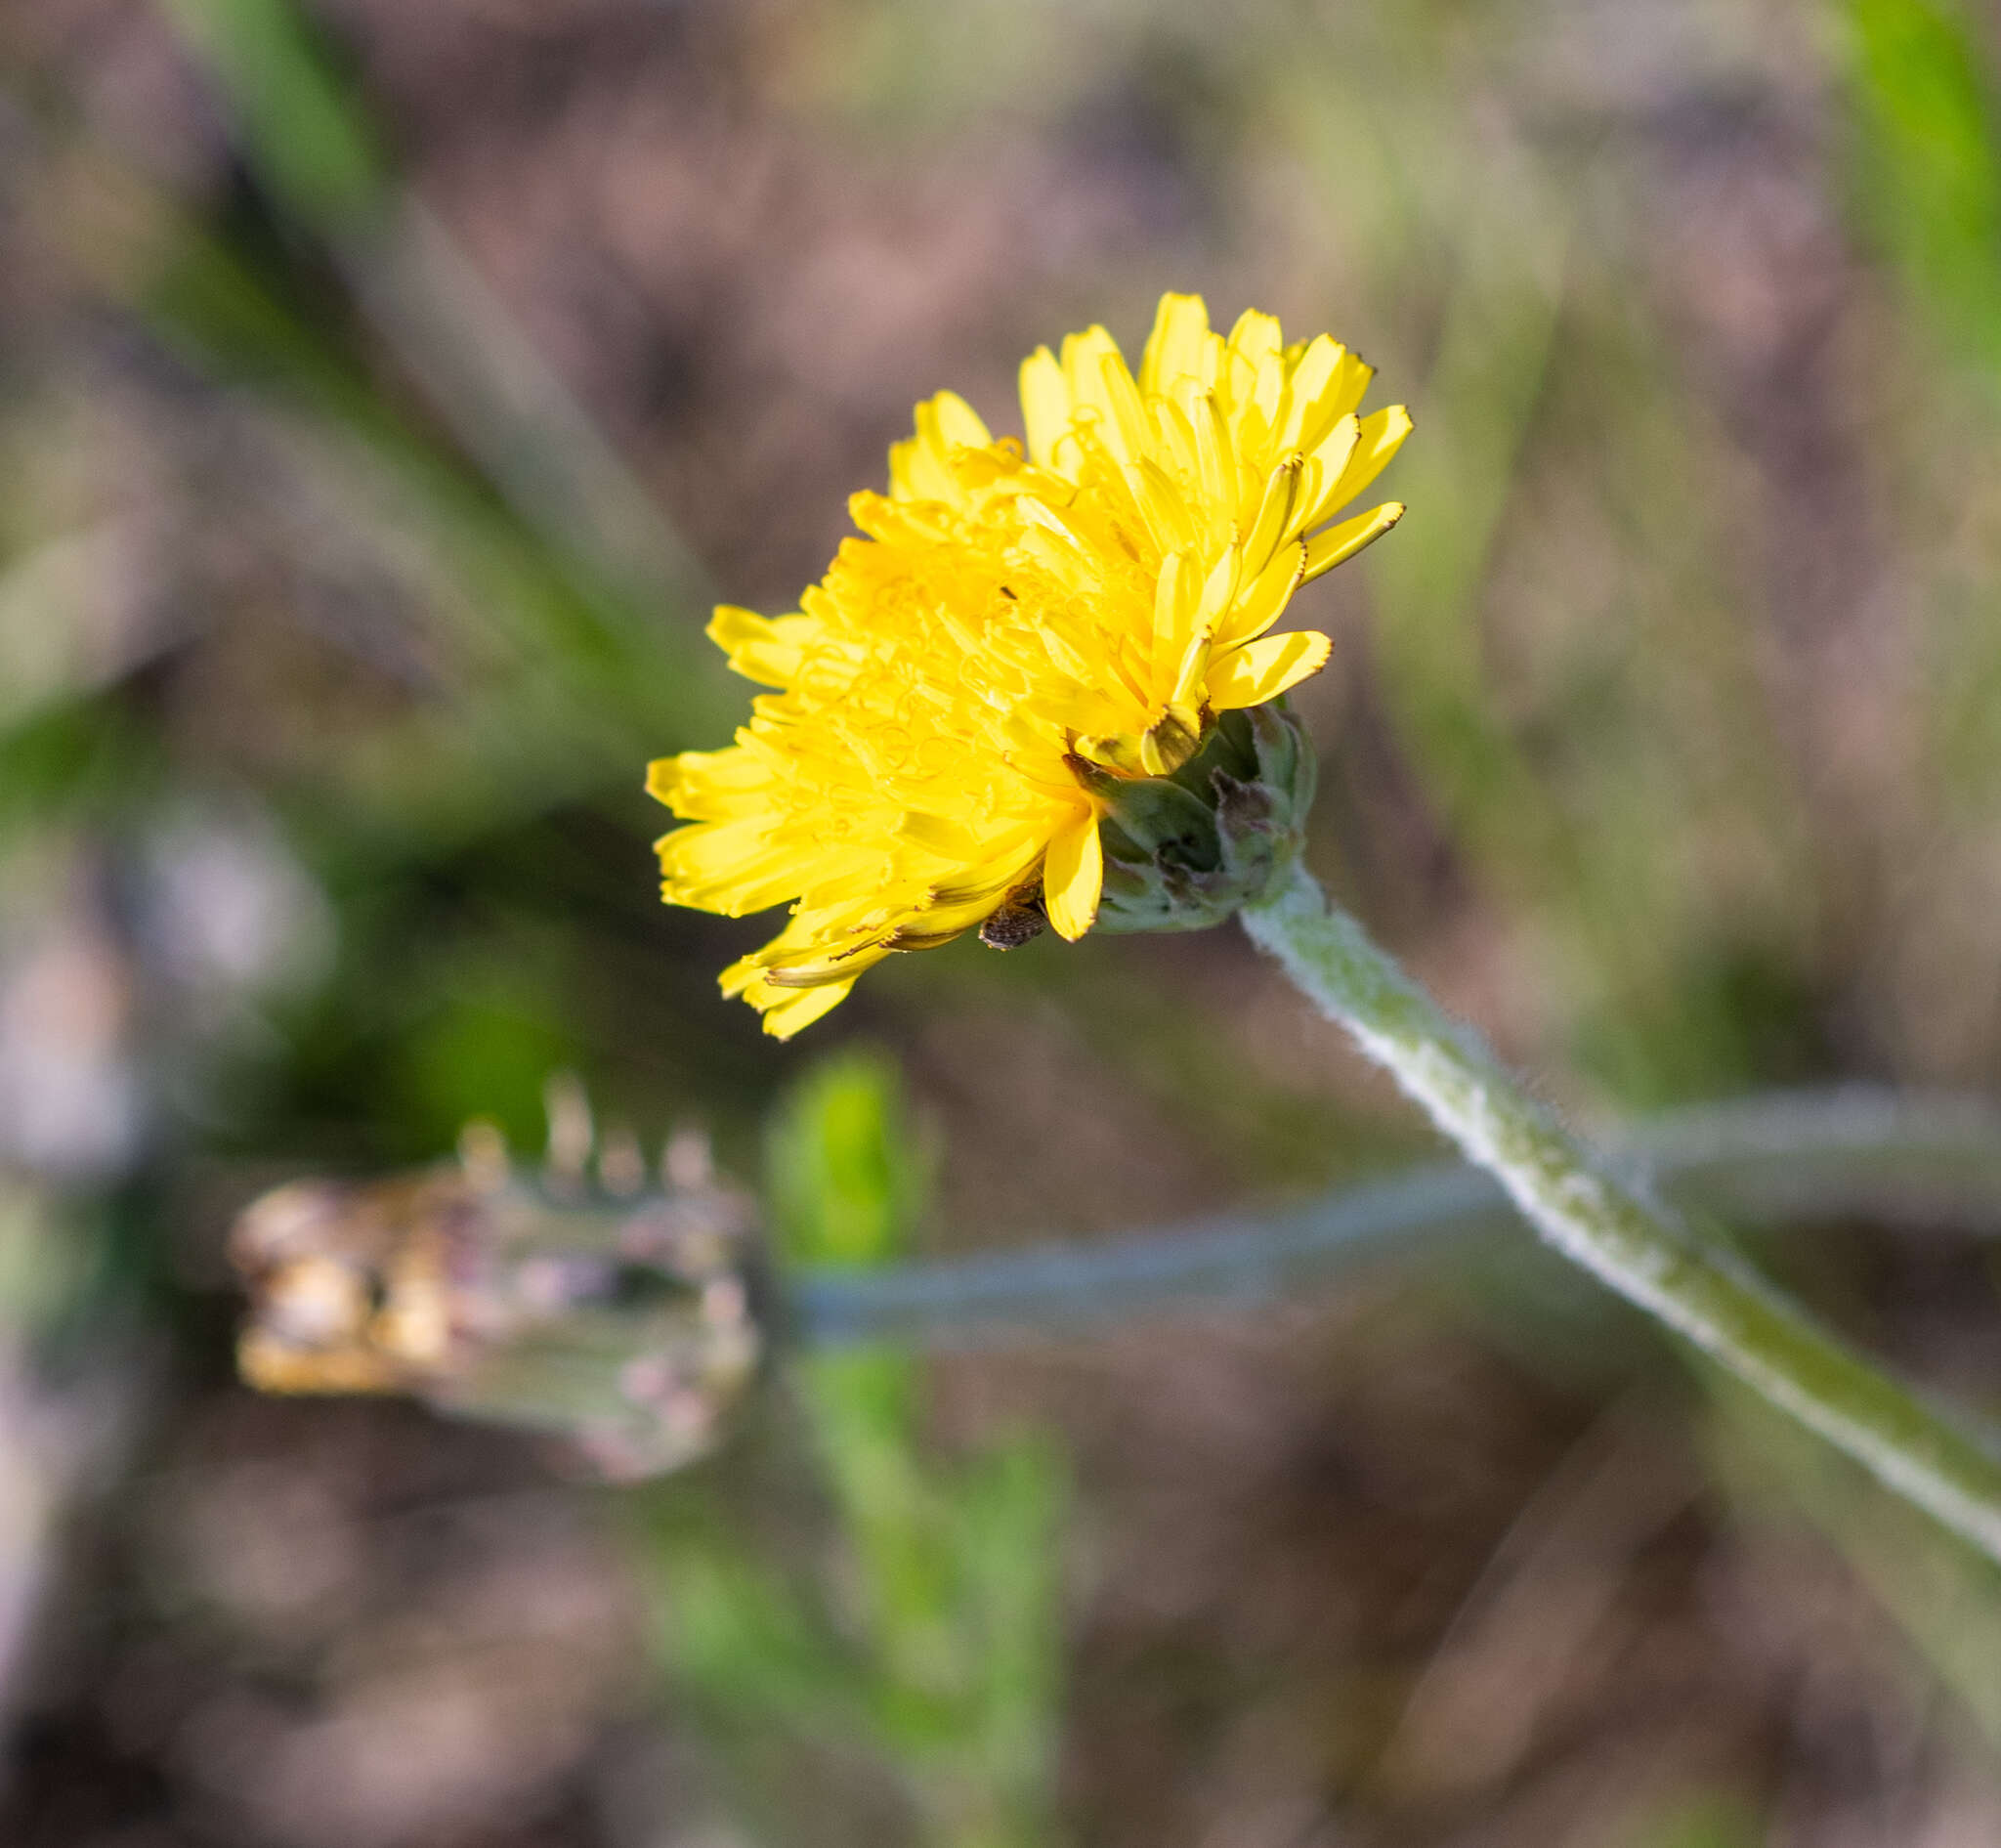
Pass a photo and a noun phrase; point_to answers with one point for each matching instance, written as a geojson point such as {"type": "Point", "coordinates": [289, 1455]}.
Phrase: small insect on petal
{"type": "Point", "coordinates": [1019, 919]}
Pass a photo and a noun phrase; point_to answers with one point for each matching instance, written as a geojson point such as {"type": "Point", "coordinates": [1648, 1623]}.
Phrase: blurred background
{"type": "Point", "coordinates": [387, 389]}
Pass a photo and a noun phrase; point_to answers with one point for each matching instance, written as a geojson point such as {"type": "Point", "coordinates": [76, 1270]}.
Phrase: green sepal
{"type": "Point", "coordinates": [1155, 814]}
{"type": "Point", "coordinates": [1184, 852]}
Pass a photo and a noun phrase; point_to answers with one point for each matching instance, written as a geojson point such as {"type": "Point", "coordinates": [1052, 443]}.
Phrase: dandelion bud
{"type": "Point", "coordinates": [626, 1323]}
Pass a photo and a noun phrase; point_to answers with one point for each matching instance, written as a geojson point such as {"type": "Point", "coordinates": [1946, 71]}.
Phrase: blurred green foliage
{"type": "Point", "coordinates": [1928, 164]}
{"type": "Point", "coordinates": [845, 1174]}
{"type": "Point", "coordinates": [1704, 1818]}
{"type": "Point", "coordinates": [315, 148]}
{"type": "Point", "coordinates": [924, 1631]}
{"type": "Point", "coordinates": [1943, 1596]}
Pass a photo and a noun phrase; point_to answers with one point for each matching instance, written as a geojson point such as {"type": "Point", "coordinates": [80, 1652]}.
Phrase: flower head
{"type": "Point", "coordinates": [1014, 629]}
{"type": "Point", "coordinates": [627, 1321]}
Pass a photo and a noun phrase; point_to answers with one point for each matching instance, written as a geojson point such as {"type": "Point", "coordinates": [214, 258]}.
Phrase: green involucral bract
{"type": "Point", "coordinates": [1186, 851]}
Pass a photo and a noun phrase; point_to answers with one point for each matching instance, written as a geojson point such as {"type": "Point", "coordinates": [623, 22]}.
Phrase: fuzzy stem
{"type": "Point", "coordinates": [1786, 1158]}
{"type": "Point", "coordinates": [1700, 1291]}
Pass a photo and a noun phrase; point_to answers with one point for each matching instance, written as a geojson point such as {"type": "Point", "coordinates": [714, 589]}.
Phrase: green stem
{"type": "Point", "coordinates": [1703, 1292]}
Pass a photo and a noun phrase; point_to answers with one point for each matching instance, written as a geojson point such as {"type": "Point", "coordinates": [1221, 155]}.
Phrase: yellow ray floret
{"type": "Point", "coordinates": [1099, 595]}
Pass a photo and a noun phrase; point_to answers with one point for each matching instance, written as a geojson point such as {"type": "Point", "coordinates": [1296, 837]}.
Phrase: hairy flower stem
{"type": "Point", "coordinates": [1701, 1291]}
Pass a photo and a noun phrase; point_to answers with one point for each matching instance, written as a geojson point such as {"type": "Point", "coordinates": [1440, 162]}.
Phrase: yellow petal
{"type": "Point", "coordinates": [1129, 429]}
{"type": "Point", "coordinates": [1257, 337]}
{"type": "Point", "coordinates": [1074, 876]}
{"type": "Point", "coordinates": [1258, 380]}
{"type": "Point", "coordinates": [1274, 513]}
{"type": "Point", "coordinates": [1044, 405]}
{"type": "Point", "coordinates": [710, 784]}
{"type": "Point", "coordinates": [1220, 589]}
{"type": "Point", "coordinates": [1084, 367]}
{"type": "Point", "coordinates": [759, 649]}
{"type": "Point", "coordinates": [1379, 438]}
{"type": "Point", "coordinates": [1083, 360]}
{"type": "Point", "coordinates": [1175, 443]}
{"type": "Point", "coordinates": [835, 968]}
{"type": "Point", "coordinates": [1261, 670]}
{"type": "Point", "coordinates": [1354, 384]}
{"type": "Point", "coordinates": [786, 1010]}
{"type": "Point", "coordinates": [730, 867]}
{"type": "Point", "coordinates": [1190, 674]}
{"type": "Point", "coordinates": [920, 468]}
{"type": "Point", "coordinates": [1159, 497]}
{"type": "Point", "coordinates": [1330, 461]}
{"type": "Point", "coordinates": [810, 932]}
{"type": "Point", "coordinates": [862, 877]}
{"type": "Point", "coordinates": [664, 779]}
{"type": "Point", "coordinates": [1309, 394]}
{"type": "Point", "coordinates": [1173, 606]}
{"type": "Point", "coordinates": [1264, 601]}
{"type": "Point", "coordinates": [1177, 349]}
{"type": "Point", "coordinates": [918, 472]}
{"type": "Point", "coordinates": [1325, 551]}
{"type": "Point", "coordinates": [958, 425]}
{"type": "Point", "coordinates": [1216, 473]}
{"type": "Point", "coordinates": [949, 839]}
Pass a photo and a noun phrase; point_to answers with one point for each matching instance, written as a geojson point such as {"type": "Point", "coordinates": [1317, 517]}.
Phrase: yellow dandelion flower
{"type": "Point", "coordinates": [1008, 620]}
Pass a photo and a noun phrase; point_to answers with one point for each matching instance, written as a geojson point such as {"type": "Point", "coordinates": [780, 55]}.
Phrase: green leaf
{"type": "Point", "coordinates": [1929, 166]}
{"type": "Point", "coordinates": [312, 145]}
{"type": "Point", "coordinates": [845, 1172]}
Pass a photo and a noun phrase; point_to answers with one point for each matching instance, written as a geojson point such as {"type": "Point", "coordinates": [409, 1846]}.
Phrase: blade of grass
{"type": "Point", "coordinates": [1927, 167]}
{"type": "Point", "coordinates": [309, 140]}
